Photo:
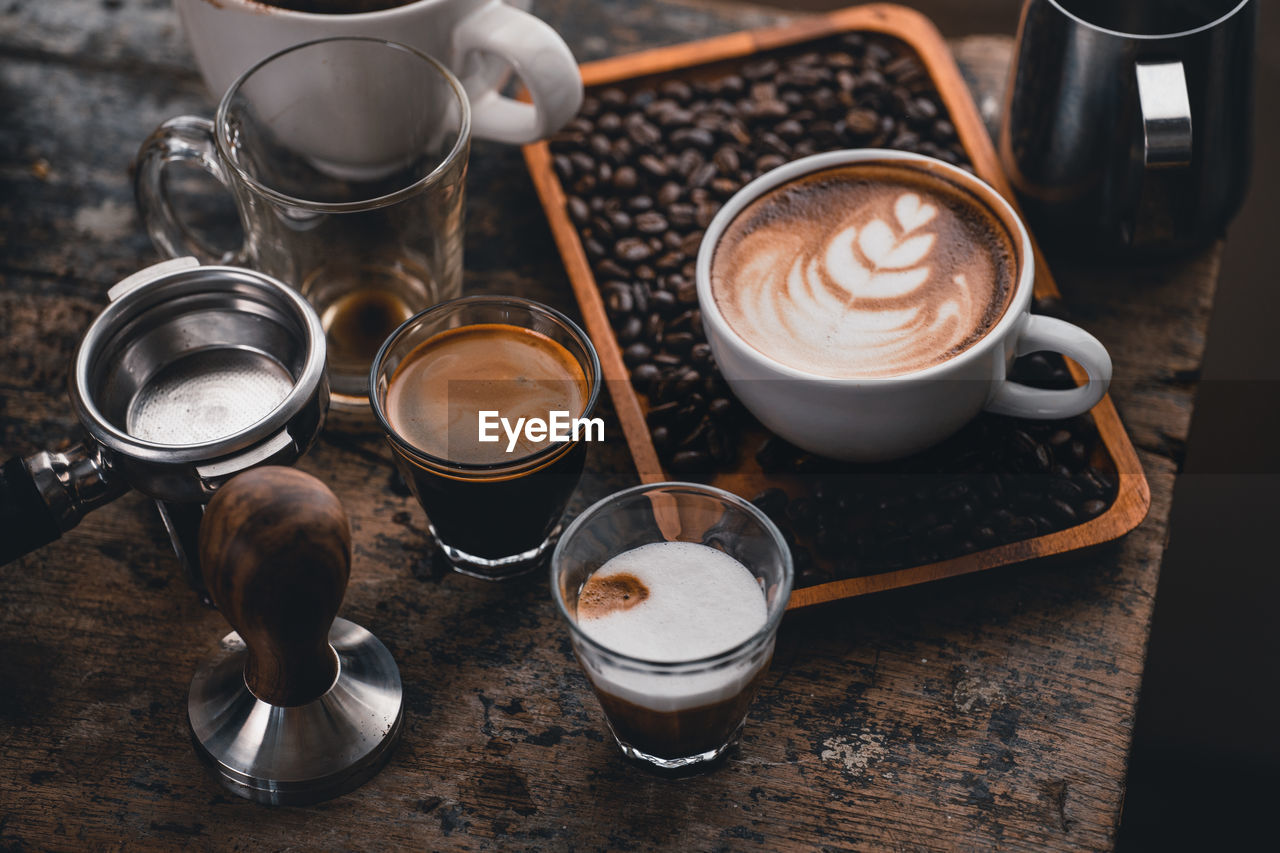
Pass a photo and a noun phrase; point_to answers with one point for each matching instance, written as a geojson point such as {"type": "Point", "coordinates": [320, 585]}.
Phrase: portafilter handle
{"type": "Point", "coordinates": [46, 494]}
{"type": "Point", "coordinates": [275, 552]}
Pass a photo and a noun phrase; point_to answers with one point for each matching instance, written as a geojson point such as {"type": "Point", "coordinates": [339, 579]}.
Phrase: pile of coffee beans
{"type": "Point", "coordinates": [646, 168]}
{"type": "Point", "coordinates": [999, 480]}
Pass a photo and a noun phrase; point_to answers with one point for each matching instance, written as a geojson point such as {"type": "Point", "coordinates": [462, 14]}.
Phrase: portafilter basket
{"type": "Point", "coordinates": [189, 376]}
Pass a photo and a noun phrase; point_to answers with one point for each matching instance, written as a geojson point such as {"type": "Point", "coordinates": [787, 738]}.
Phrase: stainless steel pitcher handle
{"type": "Point", "coordinates": [1166, 114]}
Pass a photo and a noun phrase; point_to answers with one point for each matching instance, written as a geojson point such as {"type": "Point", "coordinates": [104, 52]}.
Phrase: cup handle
{"type": "Point", "coordinates": [187, 139]}
{"type": "Point", "coordinates": [541, 59]}
{"type": "Point", "coordinates": [1039, 334]}
{"type": "Point", "coordinates": [1166, 114]}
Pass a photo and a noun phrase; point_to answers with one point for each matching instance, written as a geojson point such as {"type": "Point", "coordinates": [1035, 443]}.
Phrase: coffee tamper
{"type": "Point", "coordinates": [298, 706]}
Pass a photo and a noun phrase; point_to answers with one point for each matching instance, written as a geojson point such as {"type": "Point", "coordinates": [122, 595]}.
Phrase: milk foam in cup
{"type": "Point", "coordinates": [673, 602]}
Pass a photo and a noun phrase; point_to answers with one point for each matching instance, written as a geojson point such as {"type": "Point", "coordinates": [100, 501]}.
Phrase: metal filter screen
{"type": "Point", "coordinates": [207, 395]}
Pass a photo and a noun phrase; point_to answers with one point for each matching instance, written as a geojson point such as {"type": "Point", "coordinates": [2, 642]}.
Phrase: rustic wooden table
{"type": "Point", "coordinates": [989, 710]}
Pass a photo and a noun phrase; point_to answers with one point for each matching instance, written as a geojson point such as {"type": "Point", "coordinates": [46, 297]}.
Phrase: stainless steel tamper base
{"type": "Point", "coordinates": [303, 754]}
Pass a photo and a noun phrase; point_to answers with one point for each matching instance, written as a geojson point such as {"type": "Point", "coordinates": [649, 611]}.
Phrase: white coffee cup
{"type": "Point", "coordinates": [480, 41]}
{"type": "Point", "coordinates": [871, 419]}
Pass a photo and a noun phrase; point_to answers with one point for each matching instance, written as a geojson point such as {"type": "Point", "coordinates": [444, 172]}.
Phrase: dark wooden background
{"type": "Point", "coordinates": [990, 710]}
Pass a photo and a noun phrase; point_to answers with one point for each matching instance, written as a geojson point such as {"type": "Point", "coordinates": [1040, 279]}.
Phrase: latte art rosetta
{"type": "Point", "coordinates": [862, 272]}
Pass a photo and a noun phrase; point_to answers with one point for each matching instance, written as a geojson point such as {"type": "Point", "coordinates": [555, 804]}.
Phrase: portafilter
{"type": "Point", "coordinates": [189, 376]}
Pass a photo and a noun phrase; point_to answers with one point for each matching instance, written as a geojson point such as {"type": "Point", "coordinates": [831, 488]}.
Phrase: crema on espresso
{"type": "Point", "coordinates": [865, 270]}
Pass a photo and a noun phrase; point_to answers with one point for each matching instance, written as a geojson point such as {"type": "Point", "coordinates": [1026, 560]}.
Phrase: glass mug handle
{"type": "Point", "coordinates": [540, 58]}
{"type": "Point", "coordinates": [184, 139]}
{"type": "Point", "coordinates": [1047, 334]}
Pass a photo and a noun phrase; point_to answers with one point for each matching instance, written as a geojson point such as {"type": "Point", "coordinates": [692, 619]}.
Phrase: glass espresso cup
{"type": "Point", "coordinates": [668, 710]}
{"type": "Point", "coordinates": [467, 369]}
{"type": "Point", "coordinates": [347, 159]}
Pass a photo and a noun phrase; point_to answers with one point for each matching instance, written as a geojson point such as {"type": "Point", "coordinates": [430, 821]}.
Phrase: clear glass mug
{"type": "Point", "coordinates": [672, 715]}
{"type": "Point", "coordinates": [347, 160]}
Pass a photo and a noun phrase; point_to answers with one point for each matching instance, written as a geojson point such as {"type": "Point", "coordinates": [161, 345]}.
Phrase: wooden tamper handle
{"type": "Point", "coordinates": [275, 551]}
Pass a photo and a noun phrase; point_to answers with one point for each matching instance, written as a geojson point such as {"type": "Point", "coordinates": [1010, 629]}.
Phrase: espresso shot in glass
{"type": "Point", "coordinates": [673, 593]}
{"type": "Point", "coordinates": [486, 402]}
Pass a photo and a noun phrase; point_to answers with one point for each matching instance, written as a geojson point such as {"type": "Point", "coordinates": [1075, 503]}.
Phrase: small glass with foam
{"type": "Point", "coordinates": [673, 593]}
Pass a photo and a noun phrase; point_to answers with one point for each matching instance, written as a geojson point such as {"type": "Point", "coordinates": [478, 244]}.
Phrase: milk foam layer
{"type": "Point", "coordinates": [696, 602]}
{"type": "Point", "coordinates": [865, 270]}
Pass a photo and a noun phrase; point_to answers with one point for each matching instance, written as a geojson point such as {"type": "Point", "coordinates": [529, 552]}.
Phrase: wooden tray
{"type": "Point", "coordinates": [695, 58]}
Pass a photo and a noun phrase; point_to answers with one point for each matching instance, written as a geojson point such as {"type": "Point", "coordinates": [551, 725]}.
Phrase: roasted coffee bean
{"type": "Point", "coordinates": [725, 187]}
{"type": "Point", "coordinates": [688, 381]}
{"type": "Point", "coordinates": [651, 223]}
{"type": "Point", "coordinates": [669, 193]}
{"type": "Point", "coordinates": [609, 123]}
{"type": "Point", "coordinates": [693, 136]}
{"type": "Point", "coordinates": [727, 160]}
{"type": "Point", "coordinates": [720, 407]}
{"type": "Point", "coordinates": [1062, 511]}
{"type": "Point", "coordinates": [653, 330]}
{"type": "Point", "coordinates": [643, 375]}
{"type": "Point", "coordinates": [702, 175]}
{"type": "Point", "coordinates": [682, 215]}
{"type": "Point", "coordinates": [670, 261]}
{"type": "Point", "coordinates": [579, 211]}
{"type": "Point", "coordinates": [675, 117]}
{"type": "Point", "coordinates": [653, 165]}
{"type": "Point", "coordinates": [861, 123]}
{"type": "Point", "coordinates": [689, 462]}
{"type": "Point", "coordinates": [769, 161]}
{"type": "Point", "coordinates": [677, 90]}
{"type": "Point", "coordinates": [679, 342]}
{"type": "Point", "coordinates": [602, 226]}
{"type": "Point", "coordinates": [624, 178]}
{"type": "Point", "coordinates": [637, 353]}
{"type": "Point", "coordinates": [640, 297]}
{"type": "Point", "coordinates": [1022, 527]}
{"type": "Point", "coordinates": [1064, 489]}
{"type": "Point", "coordinates": [628, 329]}
{"type": "Point", "coordinates": [1092, 508]}
{"type": "Point", "coordinates": [620, 221]}
{"type": "Point", "coordinates": [662, 301]}
{"type": "Point", "coordinates": [687, 294]}
{"type": "Point", "coordinates": [661, 439]}
{"type": "Point", "coordinates": [608, 268]}
{"type": "Point", "coordinates": [632, 250]}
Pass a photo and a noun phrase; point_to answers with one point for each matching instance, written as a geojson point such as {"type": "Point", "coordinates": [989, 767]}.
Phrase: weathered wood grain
{"type": "Point", "coordinates": [988, 710]}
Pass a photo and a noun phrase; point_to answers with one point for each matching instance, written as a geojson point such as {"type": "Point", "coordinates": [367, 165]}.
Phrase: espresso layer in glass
{"type": "Point", "coordinates": [433, 403]}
